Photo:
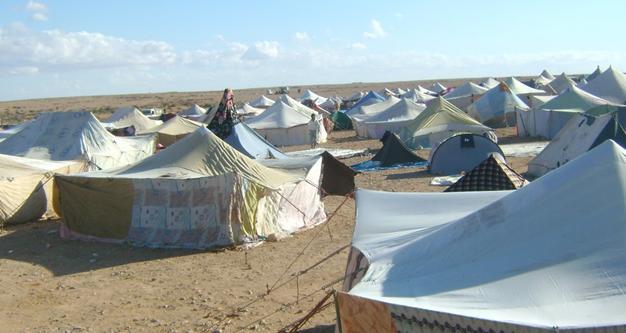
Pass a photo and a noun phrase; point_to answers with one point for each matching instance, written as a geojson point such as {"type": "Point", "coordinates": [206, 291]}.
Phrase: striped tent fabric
{"type": "Point", "coordinates": [492, 174]}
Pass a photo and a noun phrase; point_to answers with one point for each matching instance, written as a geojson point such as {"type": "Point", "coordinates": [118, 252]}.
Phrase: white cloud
{"type": "Point", "coordinates": [302, 36]}
{"type": "Point", "coordinates": [57, 49]}
{"type": "Point", "coordinates": [40, 17]}
{"type": "Point", "coordinates": [34, 6]}
{"type": "Point", "coordinates": [24, 70]}
{"type": "Point", "coordinates": [377, 30]}
{"type": "Point", "coordinates": [262, 50]}
{"type": "Point", "coordinates": [358, 46]}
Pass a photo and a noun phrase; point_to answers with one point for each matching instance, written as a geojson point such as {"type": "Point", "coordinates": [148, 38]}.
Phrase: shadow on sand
{"type": "Point", "coordinates": [319, 329]}
{"type": "Point", "coordinates": [40, 244]}
{"type": "Point", "coordinates": [410, 175]}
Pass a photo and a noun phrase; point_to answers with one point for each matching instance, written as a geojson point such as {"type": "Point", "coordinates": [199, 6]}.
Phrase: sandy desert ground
{"type": "Point", "coordinates": [55, 285]}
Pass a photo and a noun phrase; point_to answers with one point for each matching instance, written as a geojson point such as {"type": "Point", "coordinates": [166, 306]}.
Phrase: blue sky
{"type": "Point", "coordinates": [69, 48]}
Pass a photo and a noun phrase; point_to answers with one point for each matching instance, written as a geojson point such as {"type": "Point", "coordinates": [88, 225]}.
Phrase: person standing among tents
{"type": "Point", "coordinates": [314, 128]}
{"type": "Point", "coordinates": [223, 121]}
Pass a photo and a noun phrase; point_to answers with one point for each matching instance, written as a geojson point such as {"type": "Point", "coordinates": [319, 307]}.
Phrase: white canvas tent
{"type": "Point", "coordinates": [439, 121]}
{"type": "Point", "coordinates": [580, 134]}
{"type": "Point", "coordinates": [68, 136]}
{"type": "Point", "coordinates": [560, 84]}
{"type": "Point", "coordinates": [498, 107]}
{"type": "Point", "coordinates": [301, 107]}
{"type": "Point", "coordinates": [392, 119]}
{"type": "Point", "coordinates": [261, 102]}
{"type": "Point", "coordinates": [425, 91]}
{"type": "Point", "coordinates": [283, 125]}
{"type": "Point", "coordinates": [26, 187]}
{"type": "Point", "coordinates": [310, 95]}
{"type": "Point", "coordinates": [489, 83]}
{"type": "Point", "coordinates": [130, 116]}
{"type": "Point", "coordinates": [194, 112]}
{"type": "Point", "coordinates": [532, 260]}
{"type": "Point", "coordinates": [610, 85]}
{"type": "Point", "coordinates": [547, 75]}
{"type": "Point", "coordinates": [249, 111]}
{"type": "Point", "coordinates": [174, 129]}
{"type": "Point", "coordinates": [198, 193]}
{"type": "Point", "coordinates": [465, 95]}
{"type": "Point", "coordinates": [362, 113]}
{"type": "Point", "coordinates": [417, 96]}
{"type": "Point", "coordinates": [548, 119]}
{"type": "Point", "coordinates": [520, 89]}
{"type": "Point", "coordinates": [437, 88]}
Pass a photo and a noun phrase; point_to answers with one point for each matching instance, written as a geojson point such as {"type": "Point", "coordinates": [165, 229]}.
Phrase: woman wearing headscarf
{"type": "Point", "coordinates": [223, 121]}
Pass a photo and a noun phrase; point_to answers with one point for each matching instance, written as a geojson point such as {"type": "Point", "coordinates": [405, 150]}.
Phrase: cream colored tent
{"type": "Point", "coordinates": [438, 122]}
{"type": "Point", "coordinates": [249, 111]}
{"type": "Point", "coordinates": [392, 119]}
{"type": "Point", "coordinates": [26, 187]}
{"type": "Point", "coordinates": [130, 116]}
{"type": "Point", "coordinates": [417, 96]}
{"type": "Point", "coordinates": [283, 125]}
{"type": "Point", "coordinates": [198, 193]}
{"type": "Point", "coordinates": [67, 136]}
{"type": "Point", "coordinates": [520, 89]}
{"type": "Point", "coordinates": [194, 112]}
{"type": "Point", "coordinates": [174, 129]}
{"type": "Point", "coordinates": [261, 102]}
{"type": "Point", "coordinates": [301, 107]}
{"type": "Point", "coordinates": [465, 95]}
{"type": "Point", "coordinates": [360, 114]}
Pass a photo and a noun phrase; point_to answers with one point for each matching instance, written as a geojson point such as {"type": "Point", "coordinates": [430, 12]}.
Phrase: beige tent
{"type": "Point", "coordinates": [198, 193]}
{"type": "Point", "coordinates": [174, 129]}
{"type": "Point", "coordinates": [130, 116]}
{"type": "Point", "coordinates": [26, 187]}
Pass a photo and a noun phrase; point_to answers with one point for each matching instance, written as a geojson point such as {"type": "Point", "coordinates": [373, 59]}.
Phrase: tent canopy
{"type": "Point", "coordinates": [194, 110]}
{"type": "Point", "coordinates": [395, 152]}
{"type": "Point", "coordinates": [492, 174]}
{"type": "Point", "coordinates": [610, 85]}
{"type": "Point", "coordinates": [492, 108]}
{"type": "Point", "coordinates": [518, 88]}
{"type": "Point", "coordinates": [248, 142]}
{"type": "Point", "coordinates": [131, 116]}
{"type": "Point", "coordinates": [261, 102]}
{"type": "Point", "coordinates": [573, 99]}
{"type": "Point", "coordinates": [466, 89]}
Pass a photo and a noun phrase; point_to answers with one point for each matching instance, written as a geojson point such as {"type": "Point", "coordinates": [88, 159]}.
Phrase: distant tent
{"type": "Point", "coordinates": [386, 92]}
{"type": "Point", "coordinates": [466, 89]}
{"type": "Point", "coordinates": [360, 114]}
{"type": "Point", "coordinates": [489, 83]}
{"type": "Point", "coordinates": [198, 193]}
{"type": "Point", "coordinates": [341, 121]}
{"type": "Point", "coordinates": [610, 85]}
{"type": "Point", "coordinates": [195, 112]}
{"type": "Point", "coordinates": [461, 153]}
{"type": "Point", "coordinates": [69, 136]}
{"type": "Point", "coordinates": [332, 104]}
{"type": "Point", "coordinates": [465, 95]}
{"type": "Point", "coordinates": [541, 81]}
{"type": "Point", "coordinates": [26, 187]}
{"type": "Point", "coordinates": [130, 116]}
{"type": "Point", "coordinates": [261, 102]}
{"type": "Point", "coordinates": [372, 97]}
{"type": "Point", "coordinates": [395, 152]}
{"type": "Point", "coordinates": [310, 95]}
{"type": "Point", "coordinates": [355, 97]}
{"type": "Point", "coordinates": [392, 119]}
{"type": "Point", "coordinates": [593, 75]}
{"type": "Point", "coordinates": [547, 120]}
{"type": "Point", "coordinates": [248, 142]}
{"type": "Point", "coordinates": [417, 96]}
{"type": "Point", "coordinates": [492, 174]}
{"type": "Point", "coordinates": [538, 100]}
{"type": "Point", "coordinates": [560, 84]}
{"type": "Point", "coordinates": [248, 111]}
{"type": "Point", "coordinates": [580, 134]}
{"type": "Point", "coordinates": [538, 259]}
{"type": "Point", "coordinates": [301, 107]}
{"type": "Point", "coordinates": [439, 121]}
{"type": "Point", "coordinates": [399, 91]}
{"type": "Point", "coordinates": [12, 130]}
{"type": "Point", "coordinates": [498, 107]}
{"type": "Point", "coordinates": [437, 88]}
{"type": "Point", "coordinates": [174, 129]}
{"type": "Point", "coordinates": [423, 90]}
{"type": "Point", "coordinates": [547, 75]}
{"type": "Point", "coordinates": [520, 89]}
{"type": "Point", "coordinates": [283, 125]}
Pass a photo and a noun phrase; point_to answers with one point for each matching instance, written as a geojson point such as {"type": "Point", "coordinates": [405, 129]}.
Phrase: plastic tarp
{"type": "Point", "coordinates": [67, 136]}
{"type": "Point", "coordinates": [531, 260]}
{"type": "Point", "coordinates": [497, 107]}
{"type": "Point", "coordinates": [610, 85]}
{"type": "Point", "coordinates": [198, 193]}
{"type": "Point", "coordinates": [12, 130]}
{"type": "Point", "coordinates": [439, 121]}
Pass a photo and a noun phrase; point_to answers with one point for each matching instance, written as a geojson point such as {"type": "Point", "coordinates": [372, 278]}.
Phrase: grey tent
{"type": "Point", "coordinates": [461, 153]}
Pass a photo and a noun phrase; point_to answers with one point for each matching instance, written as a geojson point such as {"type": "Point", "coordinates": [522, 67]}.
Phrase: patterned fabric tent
{"type": "Point", "coordinates": [493, 174]}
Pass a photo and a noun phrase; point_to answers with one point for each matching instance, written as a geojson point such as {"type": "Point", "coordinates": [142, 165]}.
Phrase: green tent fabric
{"type": "Point", "coordinates": [440, 120]}
{"type": "Point", "coordinates": [574, 99]}
{"type": "Point", "coordinates": [341, 120]}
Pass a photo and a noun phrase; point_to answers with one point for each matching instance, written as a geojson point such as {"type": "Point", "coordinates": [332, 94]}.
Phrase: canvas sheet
{"type": "Point", "coordinates": [445, 180]}
{"type": "Point", "coordinates": [526, 149]}
{"type": "Point", "coordinates": [184, 213]}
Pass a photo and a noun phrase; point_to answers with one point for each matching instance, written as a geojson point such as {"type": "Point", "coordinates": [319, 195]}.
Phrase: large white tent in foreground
{"type": "Point", "coordinates": [548, 257]}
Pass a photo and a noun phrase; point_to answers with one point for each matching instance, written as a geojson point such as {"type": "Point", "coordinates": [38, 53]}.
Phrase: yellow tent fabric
{"type": "Point", "coordinates": [174, 129]}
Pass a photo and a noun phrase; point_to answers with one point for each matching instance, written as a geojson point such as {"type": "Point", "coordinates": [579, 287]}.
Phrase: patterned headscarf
{"type": "Point", "coordinates": [227, 99]}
